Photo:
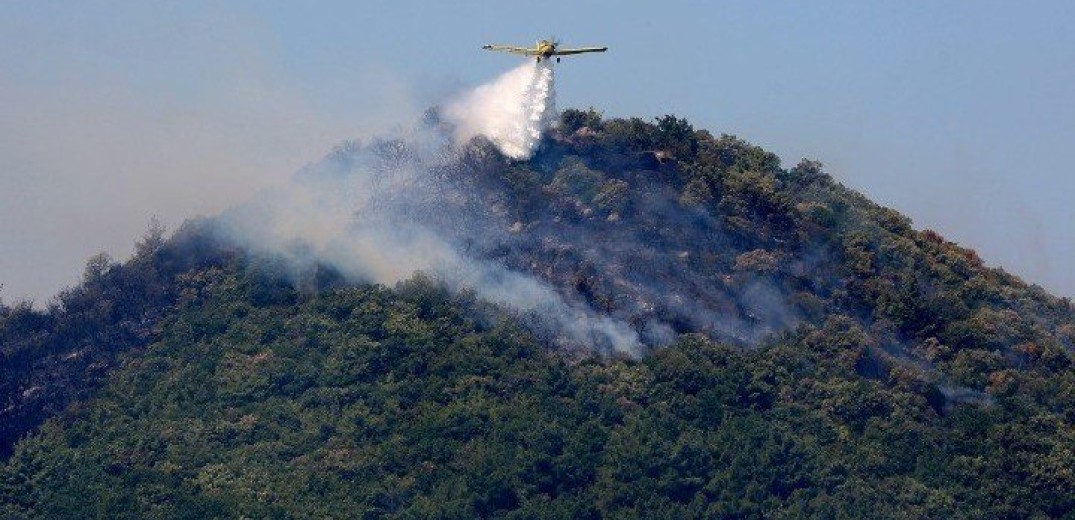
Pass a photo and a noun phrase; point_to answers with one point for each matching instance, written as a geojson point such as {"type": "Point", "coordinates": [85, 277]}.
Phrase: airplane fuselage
{"type": "Point", "coordinates": [545, 48]}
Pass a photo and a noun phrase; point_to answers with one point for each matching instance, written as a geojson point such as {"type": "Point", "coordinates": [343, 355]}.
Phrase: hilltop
{"type": "Point", "coordinates": [643, 319]}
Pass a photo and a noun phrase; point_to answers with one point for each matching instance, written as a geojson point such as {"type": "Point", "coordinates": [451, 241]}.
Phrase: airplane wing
{"type": "Point", "coordinates": [580, 50]}
{"type": "Point", "coordinates": [514, 50]}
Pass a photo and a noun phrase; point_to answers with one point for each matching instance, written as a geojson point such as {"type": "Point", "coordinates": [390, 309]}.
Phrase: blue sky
{"type": "Point", "coordinates": [959, 114]}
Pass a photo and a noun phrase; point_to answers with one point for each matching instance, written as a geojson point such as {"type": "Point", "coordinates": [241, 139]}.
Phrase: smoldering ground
{"type": "Point", "coordinates": [606, 260]}
{"type": "Point", "coordinates": [377, 212]}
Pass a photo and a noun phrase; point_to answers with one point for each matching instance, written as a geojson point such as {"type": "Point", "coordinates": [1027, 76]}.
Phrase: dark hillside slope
{"type": "Point", "coordinates": [372, 402]}
{"type": "Point", "coordinates": [805, 353]}
{"type": "Point", "coordinates": [51, 358]}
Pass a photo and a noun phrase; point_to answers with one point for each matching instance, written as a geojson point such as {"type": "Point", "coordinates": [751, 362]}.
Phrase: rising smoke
{"type": "Point", "coordinates": [377, 212]}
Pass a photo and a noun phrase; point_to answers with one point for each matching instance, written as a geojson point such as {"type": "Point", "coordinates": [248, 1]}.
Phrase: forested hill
{"type": "Point", "coordinates": [785, 348]}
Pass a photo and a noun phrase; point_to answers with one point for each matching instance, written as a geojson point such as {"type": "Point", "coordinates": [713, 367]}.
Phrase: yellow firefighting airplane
{"type": "Point", "coordinates": [544, 49]}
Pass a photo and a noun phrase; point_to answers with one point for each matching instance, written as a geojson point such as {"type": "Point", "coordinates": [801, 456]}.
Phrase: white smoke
{"type": "Point", "coordinates": [366, 213]}
{"type": "Point", "coordinates": [512, 111]}
{"type": "Point", "coordinates": [358, 223]}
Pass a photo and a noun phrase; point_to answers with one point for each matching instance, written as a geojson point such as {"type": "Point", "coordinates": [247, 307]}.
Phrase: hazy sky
{"type": "Point", "coordinates": [959, 114]}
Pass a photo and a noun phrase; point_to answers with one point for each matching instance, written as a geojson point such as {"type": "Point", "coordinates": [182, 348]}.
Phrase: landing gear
{"type": "Point", "coordinates": [538, 59]}
{"type": "Point", "coordinates": [557, 59]}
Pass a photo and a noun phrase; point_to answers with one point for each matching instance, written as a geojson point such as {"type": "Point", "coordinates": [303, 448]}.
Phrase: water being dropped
{"type": "Point", "coordinates": [512, 111]}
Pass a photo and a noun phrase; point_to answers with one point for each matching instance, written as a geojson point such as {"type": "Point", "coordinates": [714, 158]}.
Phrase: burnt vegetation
{"type": "Point", "coordinates": [807, 353]}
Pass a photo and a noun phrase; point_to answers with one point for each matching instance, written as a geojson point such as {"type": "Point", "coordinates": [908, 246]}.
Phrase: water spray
{"type": "Point", "coordinates": [512, 111]}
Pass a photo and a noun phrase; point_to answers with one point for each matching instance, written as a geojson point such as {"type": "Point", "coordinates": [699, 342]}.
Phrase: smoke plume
{"type": "Point", "coordinates": [382, 211]}
{"type": "Point", "coordinates": [553, 242]}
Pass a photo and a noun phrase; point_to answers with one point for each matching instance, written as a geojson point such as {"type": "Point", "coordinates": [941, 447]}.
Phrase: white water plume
{"type": "Point", "coordinates": [512, 111]}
